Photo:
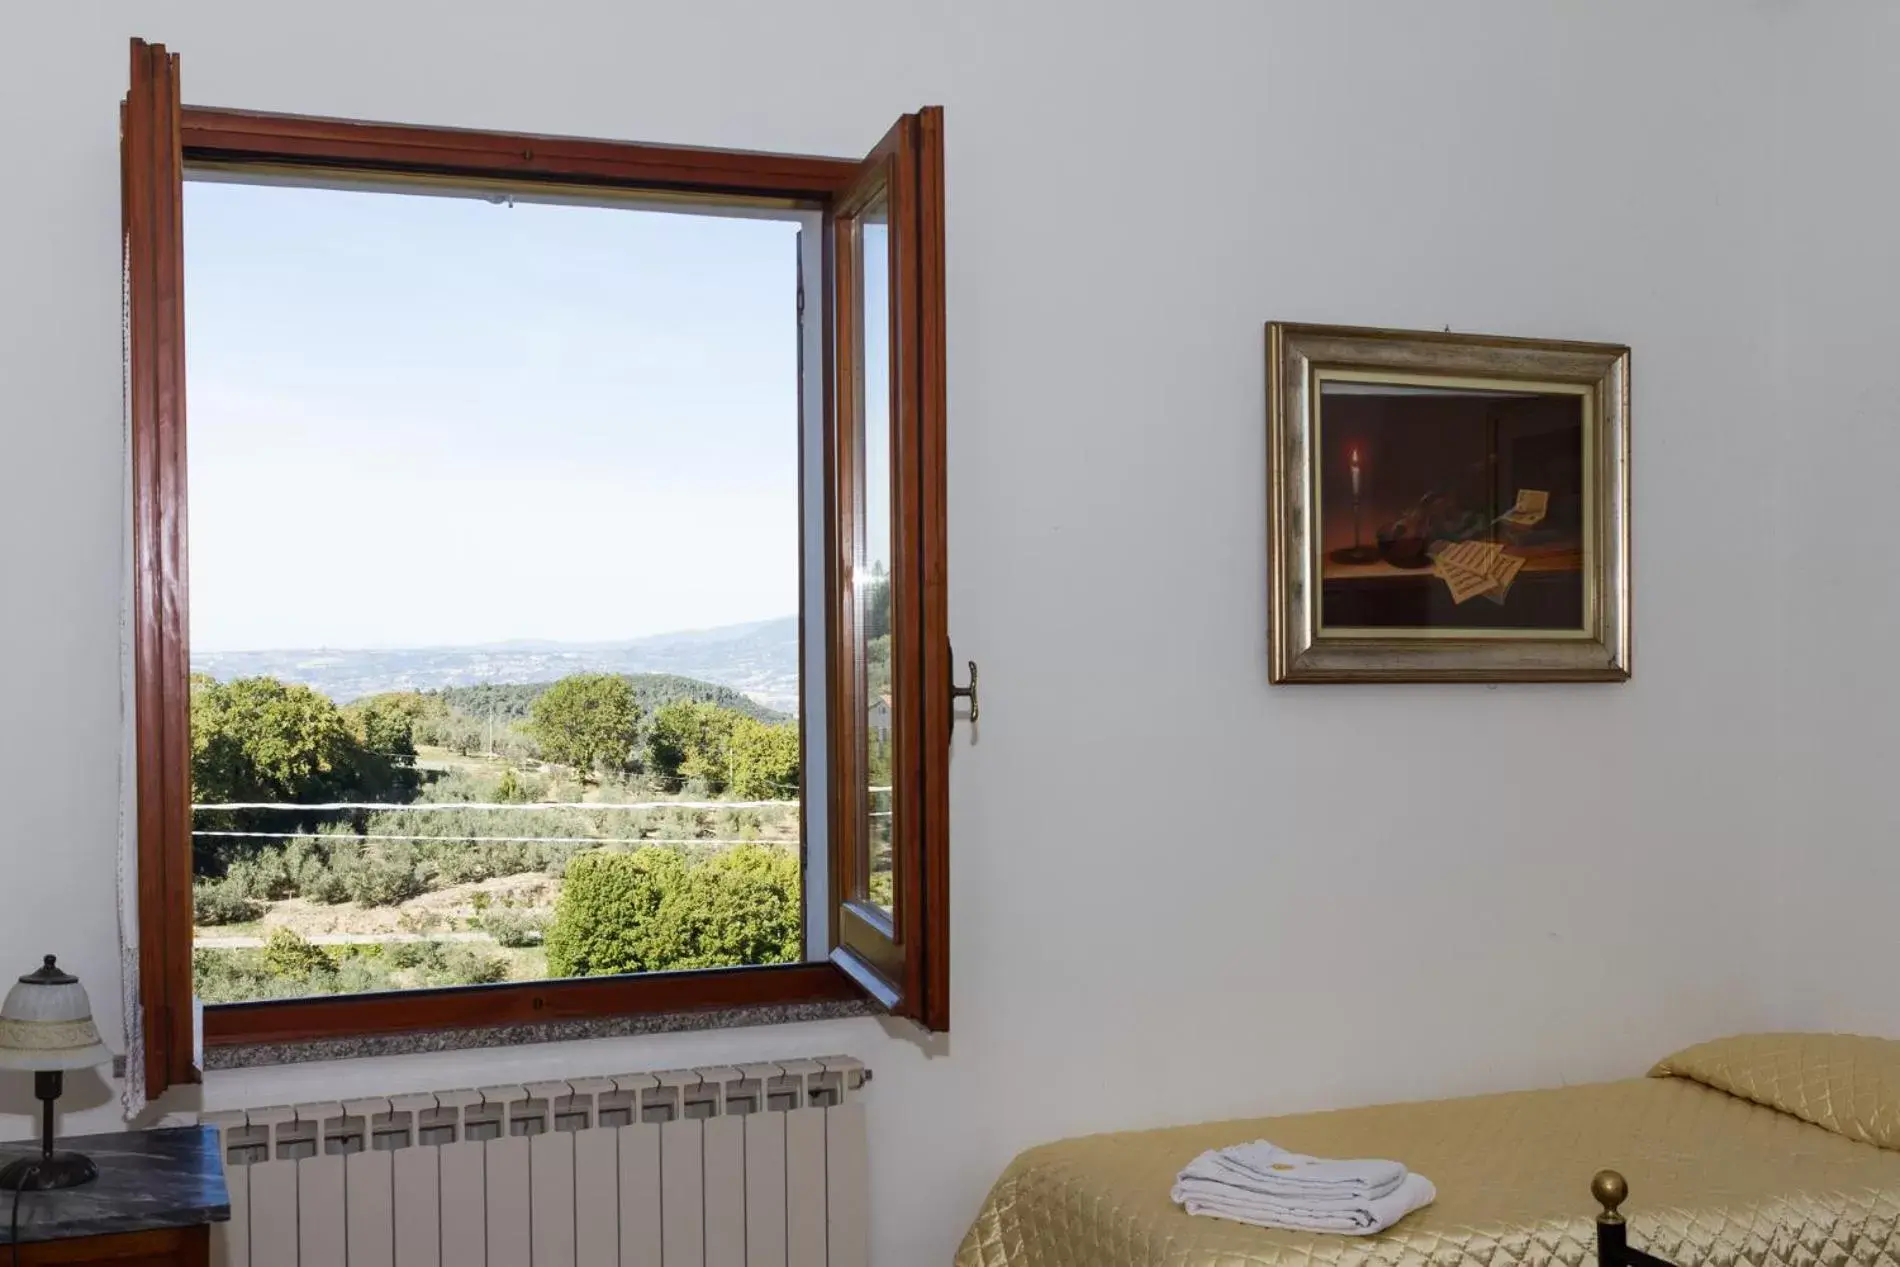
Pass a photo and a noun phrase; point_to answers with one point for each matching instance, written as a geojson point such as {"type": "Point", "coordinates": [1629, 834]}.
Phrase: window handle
{"type": "Point", "coordinates": [962, 692]}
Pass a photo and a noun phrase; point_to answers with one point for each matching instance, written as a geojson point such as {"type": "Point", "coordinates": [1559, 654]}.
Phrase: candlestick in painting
{"type": "Point", "coordinates": [1353, 455]}
{"type": "Point", "coordinates": [1358, 551]}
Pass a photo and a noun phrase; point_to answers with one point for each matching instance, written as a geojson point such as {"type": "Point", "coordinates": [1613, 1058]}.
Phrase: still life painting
{"type": "Point", "coordinates": [1447, 507]}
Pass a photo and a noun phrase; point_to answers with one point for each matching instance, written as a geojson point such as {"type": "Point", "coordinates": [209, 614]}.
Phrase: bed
{"type": "Point", "coordinates": [1768, 1150]}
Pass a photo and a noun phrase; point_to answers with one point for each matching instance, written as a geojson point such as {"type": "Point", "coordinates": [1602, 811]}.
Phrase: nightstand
{"type": "Point", "coordinates": [153, 1204]}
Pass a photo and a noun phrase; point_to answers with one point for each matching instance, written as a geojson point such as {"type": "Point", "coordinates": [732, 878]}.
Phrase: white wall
{"type": "Point", "coordinates": [1178, 893]}
{"type": "Point", "coordinates": [1838, 870]}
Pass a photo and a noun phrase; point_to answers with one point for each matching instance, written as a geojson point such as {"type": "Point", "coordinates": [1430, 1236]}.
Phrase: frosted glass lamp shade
{"type": "Point", "coordinates": [46, 1023]}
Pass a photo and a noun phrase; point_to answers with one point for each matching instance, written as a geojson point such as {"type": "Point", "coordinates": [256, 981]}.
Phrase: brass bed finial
{"type": "Point", "coordinates": [1611, 1190]}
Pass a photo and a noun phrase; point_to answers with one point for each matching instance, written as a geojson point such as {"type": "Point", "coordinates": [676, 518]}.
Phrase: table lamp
{"type": "Point", "coordinates": [46, 1027]}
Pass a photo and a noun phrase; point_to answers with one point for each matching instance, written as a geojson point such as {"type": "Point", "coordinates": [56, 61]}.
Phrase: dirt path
{"type": "Point", "coordinates": [337, 939]}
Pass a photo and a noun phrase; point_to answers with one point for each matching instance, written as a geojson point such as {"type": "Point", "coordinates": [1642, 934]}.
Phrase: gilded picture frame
{"type": "Point", "coordinates": [1446, 507]}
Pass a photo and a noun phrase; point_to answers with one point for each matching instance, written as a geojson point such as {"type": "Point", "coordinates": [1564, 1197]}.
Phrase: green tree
{"type": "Point", "coordinates": [605, 921]}
{"type": "Point", "coordinates": [514, 701]}
{"type": "Point", "coordinates": [412, 706]}
{"type": "Point", "coordinates": [384, 729]}
{"type": "Point", "coordinates": [463, 735]}
{"type": "Point", "coordinates": [653, 910]}
{"type": "Point", "coordinates": [739, 906]}
{"type": "Point", "coordinates": [288, 955]}
{"type": "Point", "coordinates": [386, 877]}
{"type": "Point", "coordinates": [509, 788]}
{"type": "Point", "coordinates": [258, 739]}
{"type": "Point", "coordinates": [221, 902]}
{"type": "Point", "coordinates": [386, 723]}
{"type": "Point", "coordinates": [587, 720]}
{"type": "Point", "coordinates": [762, 761]}
{"type": "Point", "coordinates": [689, 738]}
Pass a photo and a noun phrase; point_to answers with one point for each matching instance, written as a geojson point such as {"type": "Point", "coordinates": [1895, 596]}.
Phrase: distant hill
{"type": "Point", "coordinates": [757, 660]}
{"type": "Point", "coordinates": [513, 701]}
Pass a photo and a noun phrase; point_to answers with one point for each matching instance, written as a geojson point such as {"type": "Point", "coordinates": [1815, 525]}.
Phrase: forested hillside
{"type": "Point", "coordinates": [441, 825]}
{"type": "Point", "coordinates": [513, 701]}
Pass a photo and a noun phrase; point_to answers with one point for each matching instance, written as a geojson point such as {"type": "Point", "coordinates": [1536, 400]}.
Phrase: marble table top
{"type": "Point", "coordinates": [147, 1180]}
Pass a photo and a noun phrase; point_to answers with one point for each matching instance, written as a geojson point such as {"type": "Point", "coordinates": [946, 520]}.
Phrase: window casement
{"type": "Point", "coordinates": [886, 284]}
{"type": "Point", "coordinates": [876, 729]}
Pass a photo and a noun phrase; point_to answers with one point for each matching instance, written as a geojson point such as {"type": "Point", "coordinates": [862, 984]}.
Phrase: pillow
{"type": "Point", "coordinates": [1844, 1082]}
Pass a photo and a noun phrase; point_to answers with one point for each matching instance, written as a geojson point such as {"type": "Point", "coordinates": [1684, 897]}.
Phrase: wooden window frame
{"type": "Point", "coordinates": [160, 137]}
{"type": "Point", "coordinates": [901, 957]}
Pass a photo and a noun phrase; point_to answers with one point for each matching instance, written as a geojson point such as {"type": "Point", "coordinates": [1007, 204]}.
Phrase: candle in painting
{"type": "Point", "coordinates": [1354, 454]}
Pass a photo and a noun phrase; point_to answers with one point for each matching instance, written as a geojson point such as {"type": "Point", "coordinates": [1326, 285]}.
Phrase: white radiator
{"type": "Point", "coordinates": [758, 1166]}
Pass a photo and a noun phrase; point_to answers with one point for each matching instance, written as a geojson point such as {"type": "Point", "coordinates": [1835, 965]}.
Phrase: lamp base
{"type": "Point", "coordinates": [41, 1171]}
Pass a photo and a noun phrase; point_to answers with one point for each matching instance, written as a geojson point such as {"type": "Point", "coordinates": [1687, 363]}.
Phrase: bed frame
{"type": "Point", "coordinates": [1613, 1247]}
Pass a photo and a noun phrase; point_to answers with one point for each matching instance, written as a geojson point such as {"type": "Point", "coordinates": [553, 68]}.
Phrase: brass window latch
{"type": "Point", "coordinates": [961, 692]}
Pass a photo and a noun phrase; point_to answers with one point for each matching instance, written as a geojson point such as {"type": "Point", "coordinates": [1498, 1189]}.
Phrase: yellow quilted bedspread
{"type": "Point", "coordinates": [1714, 1179]}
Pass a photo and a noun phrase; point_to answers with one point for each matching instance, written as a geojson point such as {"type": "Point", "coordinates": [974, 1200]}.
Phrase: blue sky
{"type": "Point", "coordinates": [421, 420]}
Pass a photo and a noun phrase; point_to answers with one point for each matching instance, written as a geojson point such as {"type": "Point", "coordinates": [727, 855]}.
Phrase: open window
{"type": "Point", "coordinates": [840, 777]}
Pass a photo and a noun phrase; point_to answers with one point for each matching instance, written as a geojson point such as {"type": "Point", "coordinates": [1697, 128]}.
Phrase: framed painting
{"type": "Point", "coordinates": [1446, 507]}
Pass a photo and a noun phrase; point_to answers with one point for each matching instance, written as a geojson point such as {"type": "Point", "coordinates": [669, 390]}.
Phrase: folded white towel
{"type": "Point", "coordinates": [1272, 1171]}
{"type": "Point", "coordinates": [1358, 1216]}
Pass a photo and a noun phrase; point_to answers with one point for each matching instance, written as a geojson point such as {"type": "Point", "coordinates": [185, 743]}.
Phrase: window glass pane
{"type": "Point", "coordinates": [874, 566]}
{"type": "Point", "coordinates": [495, 590]}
